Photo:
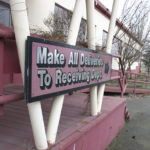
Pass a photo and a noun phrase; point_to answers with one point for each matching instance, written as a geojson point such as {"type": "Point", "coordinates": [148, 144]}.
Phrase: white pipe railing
{"type": "Point", "coordinates": [75, 22]}
{"type": "Point", "coordinates": [54, 119]}
{"type": "Point", "coordinates": [112, 26]}
{"type": "Point", "coordinates": [55, 114]}
{"type": "Point", "coordinates": [91, 45]}
{"type": "Point", "coordinates": [108, 48]}
{"type": "Point", "coordinates": [21, 28]}
{"type": "Point", "coordinates": [37, 123]}
{"type": "Point", "coordinates": [100, 94]}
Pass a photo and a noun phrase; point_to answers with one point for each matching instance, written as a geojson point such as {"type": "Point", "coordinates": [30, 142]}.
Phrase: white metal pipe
{"type": "Point", "coordinates": [93, 100]}
{"type": "Point", "coordinates": [56, 108]}
{"type": "Point", "coordinates": [91, 44]}
{"type": "Point", "coordinates": [54, 118]}
{"type": "Point", "coordinates": [38, 129]}
{"type": "Point", "coordinates": [21, 28]}
{"type": "Point", "coordinates": [75, 22]}
{"type": "Point", "coordinates": [100, 94]}
{"type": "Point", "coordinates": [112, 26]}
{"type": "Point", "coordinates": [108, 47]}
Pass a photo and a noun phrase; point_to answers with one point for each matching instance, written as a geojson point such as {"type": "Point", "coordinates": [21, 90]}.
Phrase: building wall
{"type": "Point", "coordinates": [101, 24]}
{"type": "Point", "coordinates": [101, 20]}
{"type": "Point", "coordinates": [37, 15]}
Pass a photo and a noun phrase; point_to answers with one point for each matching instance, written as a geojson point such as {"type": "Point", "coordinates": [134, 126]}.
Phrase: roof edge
{"type": "Point", "coordinates": [103, 10]}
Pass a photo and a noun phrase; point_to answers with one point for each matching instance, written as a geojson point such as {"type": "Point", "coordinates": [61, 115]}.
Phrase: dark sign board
{"type": "Point", "coordinates": [53, 68]}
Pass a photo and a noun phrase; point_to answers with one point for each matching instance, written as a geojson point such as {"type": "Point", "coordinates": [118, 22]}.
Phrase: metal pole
{"type": "Point", "coordinates": [54, 118]}
{"type": "Point", "coordinates": [37, 123]}
{"type": "Point", "coordinates": [108, 48]}
{"type": "Point", "coordinates": [21, 28]}
{"type": "Point", "coordinates": [58, 101]}
{"type": "Point", "coordinates": [135, 84]}
{"type": "Point", "coordinates": [75, 22]}
{"type": "Point", "coordinates": [91, 44]}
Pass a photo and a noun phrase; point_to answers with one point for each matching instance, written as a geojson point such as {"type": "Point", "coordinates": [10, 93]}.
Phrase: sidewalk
{"type": "Point", "coordinates": [136, 133]}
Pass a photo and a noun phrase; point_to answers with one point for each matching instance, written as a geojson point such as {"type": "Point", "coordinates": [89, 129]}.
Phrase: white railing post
{"type": "Point", "coordinates": [54, 118]}
{"type": "Point", "coordinates": [37, 123]}
{"type": "Point", "coordinates": [108, 48]}
{"type": "Point", "coordinates": [91, 45]}
{"type": "Point", "coordinates": [58, 101]}
{"type": "Point", "coordinates": [21, 28]}
{"type": "Point", "coordinates": [100, 94]}
{"type": "Point", "coordinates": [75, 22]}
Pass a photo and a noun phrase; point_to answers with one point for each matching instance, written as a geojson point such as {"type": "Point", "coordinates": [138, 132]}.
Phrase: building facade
{"type": "Point", "coordinates": [63, 10]}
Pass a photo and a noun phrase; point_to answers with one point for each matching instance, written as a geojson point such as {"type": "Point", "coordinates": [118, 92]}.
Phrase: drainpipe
{"type": "Point", "coordinates": [91, 45]}
{"type": "Point", "coordinates": [58, 101]}
{"type": "Point", "coordinates": [21, 28]}
{"type": "Point", "coordinates": [108, 47]}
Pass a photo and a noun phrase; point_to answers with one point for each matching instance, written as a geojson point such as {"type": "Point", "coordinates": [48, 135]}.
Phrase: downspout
{"type": "Point", "coordinates": [108, 48]}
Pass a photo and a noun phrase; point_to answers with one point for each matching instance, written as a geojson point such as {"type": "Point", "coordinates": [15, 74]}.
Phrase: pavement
{"type": "Point", "coordinates": [135, 135]}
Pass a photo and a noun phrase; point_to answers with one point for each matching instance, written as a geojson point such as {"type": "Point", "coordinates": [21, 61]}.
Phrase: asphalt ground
{"type": "Point", "coordinates": [135, 135]}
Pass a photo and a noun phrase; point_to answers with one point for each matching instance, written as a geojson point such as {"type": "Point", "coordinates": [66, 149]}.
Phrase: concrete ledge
{"type": "Point", "coordinates": [95, 133]}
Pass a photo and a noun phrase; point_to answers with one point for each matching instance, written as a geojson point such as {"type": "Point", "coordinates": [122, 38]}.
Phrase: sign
{"type": "Point", "coordinates": [53, 68]}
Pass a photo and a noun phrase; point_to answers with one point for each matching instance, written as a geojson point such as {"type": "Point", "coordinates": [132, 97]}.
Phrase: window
{"type": "Point", "coordinates": [115, 44]}
{"type": "Point", "coordinates": [5, 17]}
{"type": "Point", "coordinates": [61, 24]}
{"type": "Point", "coordinates": [82, 35]}
{"type": "Point", "coordinates": [104, 39]}
{"type": "Point", "coordinates": [62, 19]}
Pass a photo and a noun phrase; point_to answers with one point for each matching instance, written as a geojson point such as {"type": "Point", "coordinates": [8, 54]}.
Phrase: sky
{"type": "Point", "coordinates": [108, 4]}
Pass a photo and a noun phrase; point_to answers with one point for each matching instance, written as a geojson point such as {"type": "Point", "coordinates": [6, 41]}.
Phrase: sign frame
{"type": "Point", "coordinates": [28, 69]}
